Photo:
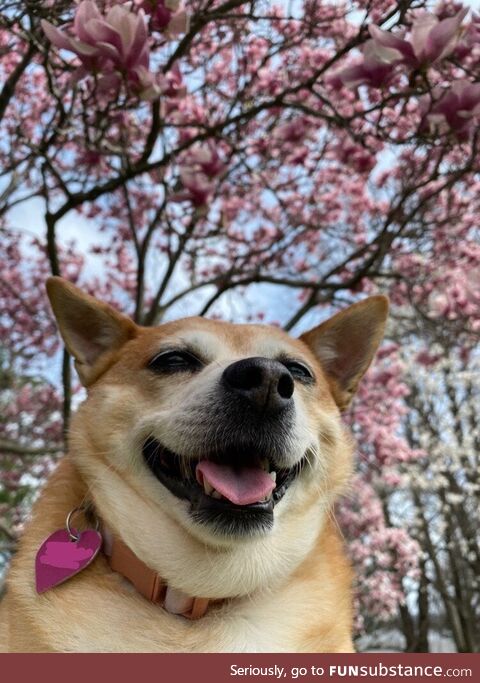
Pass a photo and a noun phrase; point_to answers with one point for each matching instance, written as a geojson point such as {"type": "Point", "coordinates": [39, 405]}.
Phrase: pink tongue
{"type": "Point", "coordinates": [242, 487]}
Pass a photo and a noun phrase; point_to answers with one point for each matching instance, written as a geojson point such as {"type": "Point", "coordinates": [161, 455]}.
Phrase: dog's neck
{"type": "Point", "coordinates": [148, 582]}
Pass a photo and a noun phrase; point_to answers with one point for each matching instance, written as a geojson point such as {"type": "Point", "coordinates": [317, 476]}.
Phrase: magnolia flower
{"type": "Point", "coordinates": [165, 15]}
{"type": "Point", "coordinates": [374, 70]}
{"type": "Point", "coordinates": [206, 157]}
{"type": "Point", "coordinates": [292, 131]}
{"type": "Point", "coordinates": [459, 296]}
{"type": "Point", "coordinates": [173, 85]}
{"type": "Point", "coordinates": [197, 188]}
{"type": "Point", "coordinates": [455, 112]}
{"type": "Point", "coordinates": [199, 168]}
{"type": "Point", "coordinates": [427, 358]}
{"type": "Point", "coordinates": [470, 38]}
{"type": "Point", "coordinates": [431, 39]}
{"type": "Point", "coordinates": [114, 47]}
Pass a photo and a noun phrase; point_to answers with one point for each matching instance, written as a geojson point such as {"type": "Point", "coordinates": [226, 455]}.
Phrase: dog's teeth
{"type": "Point", "coordinates": [273, 475]}
{"type": "Point", "coordinates": [208, 488]}
{"type": "Point", "coordinates": [216, 494]}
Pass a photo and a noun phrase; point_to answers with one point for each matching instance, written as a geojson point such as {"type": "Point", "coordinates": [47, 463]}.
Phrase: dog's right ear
{"type": "Point", "coordinates": [92, 331]}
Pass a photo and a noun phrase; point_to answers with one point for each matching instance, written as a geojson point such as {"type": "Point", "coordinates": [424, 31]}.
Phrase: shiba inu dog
{"type": "Point", "coordinates": [211, 455]}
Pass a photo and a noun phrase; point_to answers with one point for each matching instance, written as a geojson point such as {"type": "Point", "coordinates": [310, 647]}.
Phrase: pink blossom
{"type": "Point", "coordinates": [456, 111]}
{"type": "Point", "coordinates": [114, 46]}
{"type": "Point", "coordinates": [166, 15]}
{"type": "Point", "coordinates": [375, 69]}
{"type": "Point", "coordinates": [207, 158]}
{"type": "Point", "coordinates": [197, 188]}
{"type": "Point", "coordinates": [431, 39]}
{"type": "Point", "coordinates": [198, 169]}
{"type": "Point", "coordinates": [293, 131]}
{"type": "Point", "coordinates": [173, 85]}
{"type": "Point", "coordinates": [426, 358]}
{"type": "Point", "coordinates": [360, 159]}
{"type": "Point", "coordinates": [458, 295]}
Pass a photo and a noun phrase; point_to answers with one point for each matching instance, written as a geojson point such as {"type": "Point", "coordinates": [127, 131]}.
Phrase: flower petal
{"type": "Point", "coordinates": [444, 37]}
{"type": "Point", "coordinates": [374, 52]}
{"type": "Point", "coordinates": [421, 28]}
{"type": "Point", "coordinates": [124, 24]}
{"type": "Point", "coordinates": [86, 11]}
{"type": "Point", "coordinates": [55, 36]}
{"type": "Point", "coordinates": [138, 50]}
{"type": "Point", "coordinates": [109, 52]}
{"type": "Point", "coordinates": [83, 48]}
{"type": "Point", "coordinates": [388, 39]}
{"type": "Point", "coordinates": [101, 31]}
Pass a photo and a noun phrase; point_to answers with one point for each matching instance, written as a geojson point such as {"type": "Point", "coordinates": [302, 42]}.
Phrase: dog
{"type": "Point", "coordinates": [209, 455]}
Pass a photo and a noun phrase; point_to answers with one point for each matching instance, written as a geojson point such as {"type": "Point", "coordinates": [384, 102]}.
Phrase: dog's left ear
{"type": "Point", "coordinates": [346, 344]}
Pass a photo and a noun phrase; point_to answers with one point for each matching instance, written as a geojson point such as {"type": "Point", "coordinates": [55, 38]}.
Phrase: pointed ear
{"type": "Point", "coordinates": [346, 344]}
{"type": "Point", "coordinates": [92, 331]}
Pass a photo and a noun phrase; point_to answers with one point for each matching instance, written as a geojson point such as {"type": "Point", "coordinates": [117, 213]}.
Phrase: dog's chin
{"type": "Point", "coordinates": [216, 513]}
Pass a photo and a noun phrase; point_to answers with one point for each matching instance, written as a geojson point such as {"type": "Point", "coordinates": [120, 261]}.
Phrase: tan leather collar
{"type": "Point", "coordinates": [147, 582]}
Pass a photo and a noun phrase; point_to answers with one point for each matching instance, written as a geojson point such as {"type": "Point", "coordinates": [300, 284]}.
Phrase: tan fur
{"type": "Point", "coordinates": [287, 590]}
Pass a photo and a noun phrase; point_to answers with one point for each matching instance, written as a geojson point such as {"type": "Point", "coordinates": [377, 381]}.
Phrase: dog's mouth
{"type": "Point", "coordinates": [233, 492]}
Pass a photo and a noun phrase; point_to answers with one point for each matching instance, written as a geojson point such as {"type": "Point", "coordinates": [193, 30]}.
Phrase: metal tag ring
{"type": "Point", "coordinates": [76, 536]}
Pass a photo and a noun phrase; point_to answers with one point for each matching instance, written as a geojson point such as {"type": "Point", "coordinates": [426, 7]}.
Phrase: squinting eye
{"type": "Point", "coordinates": [299, 371]}
{"type": "Point", "coordinates": [175, 361]}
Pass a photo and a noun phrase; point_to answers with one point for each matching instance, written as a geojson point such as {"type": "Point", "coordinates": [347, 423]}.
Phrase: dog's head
{"type": "Point", "coordinates": [230, 431]}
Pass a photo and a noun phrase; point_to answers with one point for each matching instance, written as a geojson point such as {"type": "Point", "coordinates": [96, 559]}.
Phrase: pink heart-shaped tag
{"type": "Point", "coordinates": [59, 558]}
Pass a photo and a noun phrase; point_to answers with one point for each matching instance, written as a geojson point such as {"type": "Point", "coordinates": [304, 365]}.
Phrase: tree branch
{"type": "Point", "coordinates": [8, 446]}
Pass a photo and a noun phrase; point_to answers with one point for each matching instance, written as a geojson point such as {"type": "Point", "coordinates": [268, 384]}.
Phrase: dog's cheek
{"type": "Point", "coordinates": [329, 455]}
{"type": "Point", "coordinates": [106, 443]}
{"type": "Point", "coordinates": [109, 420]}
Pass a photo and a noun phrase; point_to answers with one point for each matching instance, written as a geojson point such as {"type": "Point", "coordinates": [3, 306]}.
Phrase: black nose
{"type": "Point", "coordinates": [265, 383]}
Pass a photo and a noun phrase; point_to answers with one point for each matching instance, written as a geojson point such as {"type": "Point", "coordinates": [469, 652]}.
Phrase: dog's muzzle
{"type": "Point", "coordinates": [234, 482]}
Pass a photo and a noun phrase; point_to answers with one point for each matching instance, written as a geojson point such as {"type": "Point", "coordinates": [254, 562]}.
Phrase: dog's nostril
{"type": "Point", "coordinates": [285, 386]}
